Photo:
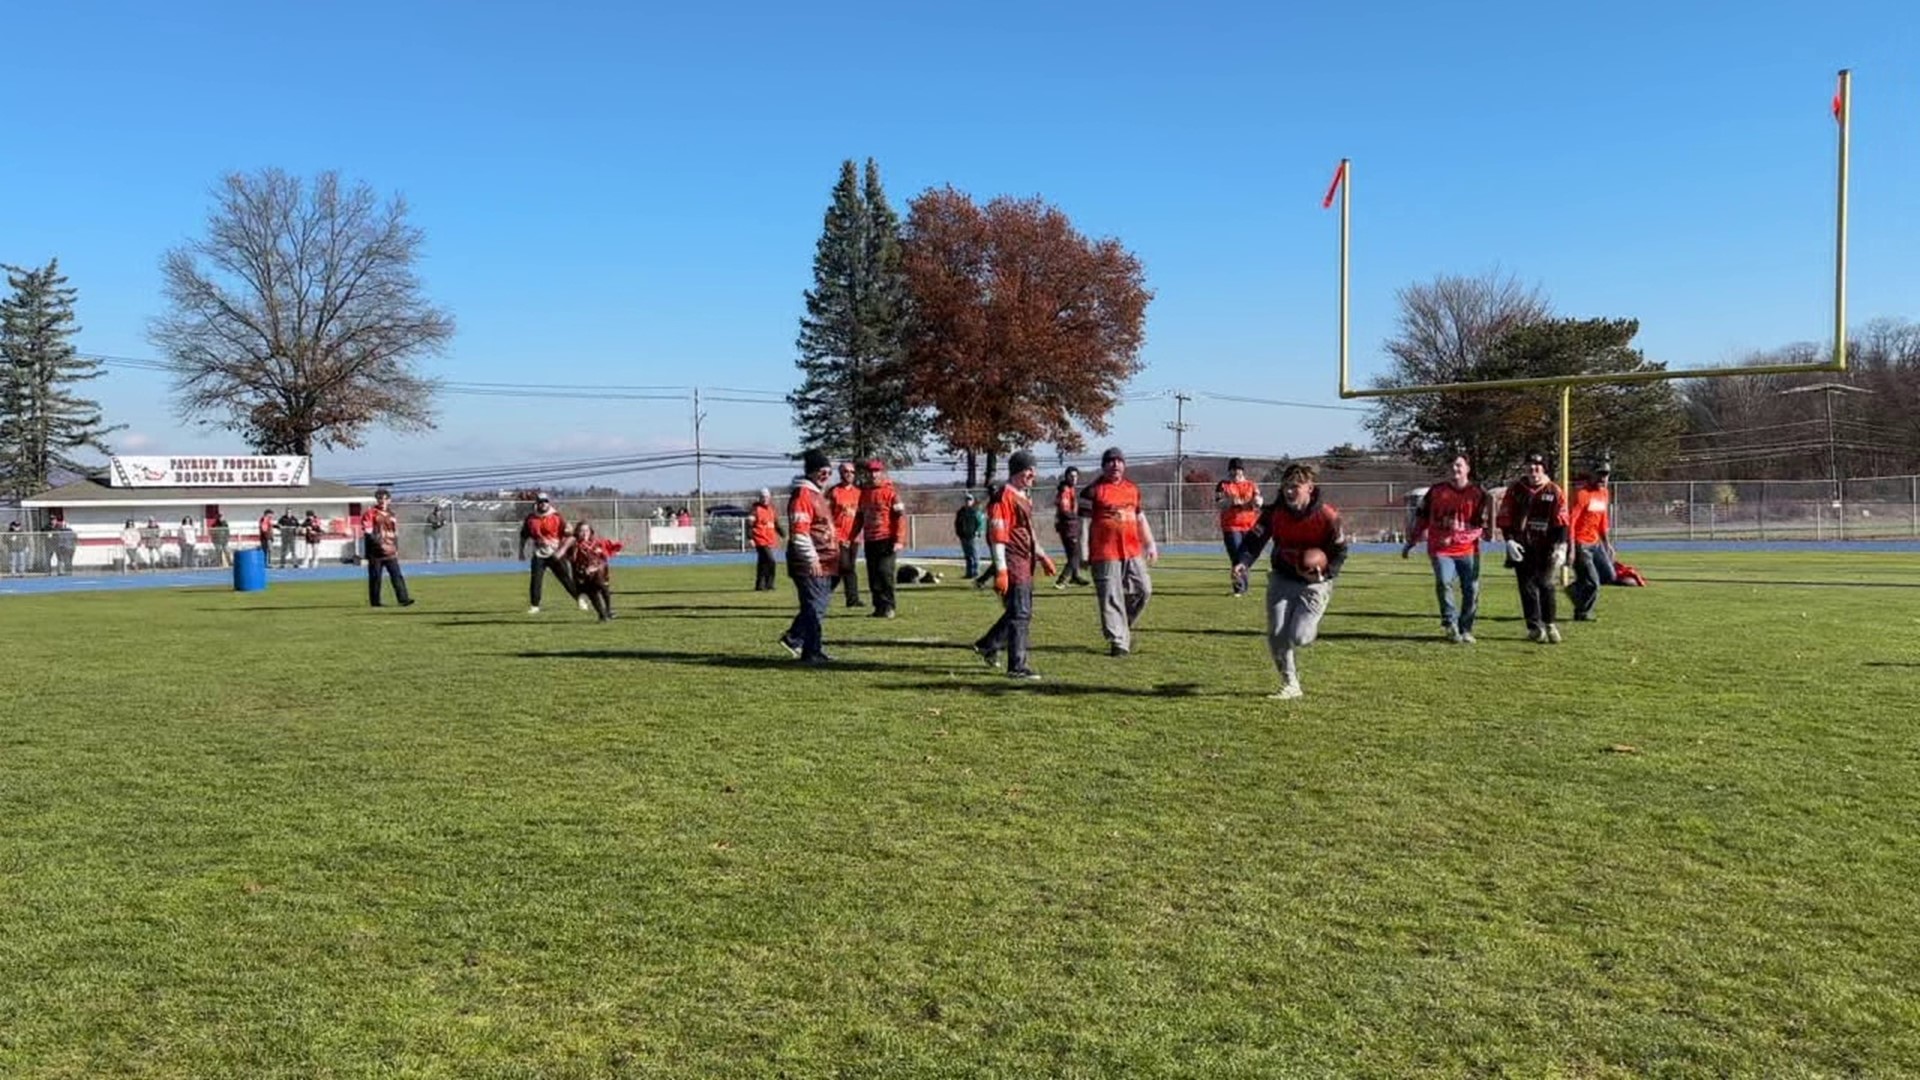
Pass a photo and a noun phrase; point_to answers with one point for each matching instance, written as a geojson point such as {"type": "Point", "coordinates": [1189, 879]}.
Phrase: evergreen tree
{"type": "Point", "coordinates": [42, 421]}
{"type": "Point", "coordinates": [852, 400]}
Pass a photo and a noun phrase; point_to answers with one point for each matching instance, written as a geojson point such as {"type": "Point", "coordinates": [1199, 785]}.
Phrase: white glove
{"type": "Point", "coordinates": [1516, 552]}
{"type": "Point", "coordinates": [1559, 556]}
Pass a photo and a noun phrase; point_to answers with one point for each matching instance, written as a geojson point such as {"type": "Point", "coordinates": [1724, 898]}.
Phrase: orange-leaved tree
{"type": "Point", "coordinates": [1023, 330]}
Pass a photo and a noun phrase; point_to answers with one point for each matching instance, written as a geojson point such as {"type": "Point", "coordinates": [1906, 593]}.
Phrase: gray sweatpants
{"type": "Point", "coordinates": [1121, 589]}
{"type": "Point", "coordinates": [1294, 608]}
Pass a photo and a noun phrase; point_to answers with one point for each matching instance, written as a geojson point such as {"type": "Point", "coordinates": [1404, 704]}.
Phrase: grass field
{"type": "Point", "coordinates": [281, 834]}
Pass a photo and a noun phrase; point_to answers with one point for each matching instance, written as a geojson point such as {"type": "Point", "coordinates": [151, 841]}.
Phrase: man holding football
{"type": "Point", "coordinates": [1309, 547]}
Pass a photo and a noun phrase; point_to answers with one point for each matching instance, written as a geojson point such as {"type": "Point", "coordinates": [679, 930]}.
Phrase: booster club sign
{"type": "Point", "coordinates": [258, 471]}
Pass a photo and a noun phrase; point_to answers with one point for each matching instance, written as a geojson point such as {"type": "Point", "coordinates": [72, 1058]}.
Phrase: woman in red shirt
{"type": "Point", "coordinates": [592, 561]}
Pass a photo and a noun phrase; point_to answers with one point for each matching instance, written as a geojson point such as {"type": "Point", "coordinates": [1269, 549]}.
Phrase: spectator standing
{"type": "Point", "coordinates": [130, 545]}
{"type": "Point", "coordinates": [64, 544]}
{"type": "Point", "coordinates": [966, 529]}
{"type": "Point", "coordinates": [311, 531]}
{"type": "Point", "coordinates": [266, 532]}
{"type": "Point", "coordinates": [189, 543]}
{"type": "Point", "coordinates": [436, 521]}
{"type": "Point", "coordinates": [220, 535]}
{"type": "Point", "coordinates": [1121, 547]}
{"type": "Point", "coordinates": [381, 531]}
{"type": "Point", "coordinates": [150, 541]}
{"type": "Point", "coordinates": [16, 550]}
{"type": "Point", "coordinates": [288, 529]}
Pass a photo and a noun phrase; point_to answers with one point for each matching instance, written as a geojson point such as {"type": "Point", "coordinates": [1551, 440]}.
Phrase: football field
{"type": "Point", "coordinates": [281, 834]}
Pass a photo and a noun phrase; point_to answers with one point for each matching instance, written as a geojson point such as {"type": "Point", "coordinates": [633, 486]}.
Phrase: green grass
{"type": "Point", "coordinates": [280, 834]}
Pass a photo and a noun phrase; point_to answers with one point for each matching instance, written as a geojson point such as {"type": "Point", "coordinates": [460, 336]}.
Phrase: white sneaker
{"type": "Point", "coordinates": [1553, 634]}
{"type": "Point", "coordinates": [585, 604]}
{"type": "Point", "coordinates": [534, 610]}
{"type": "Point", "coordinates": [1453, 635]}
{"type": "Point", "coordinates": [1287, 693]}
{"type": "Point", "coordinates": [1466, 637]}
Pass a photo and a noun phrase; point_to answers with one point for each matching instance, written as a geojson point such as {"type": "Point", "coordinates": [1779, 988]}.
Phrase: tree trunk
{"type": "Point", "coordinates": [973, 469]}
{"type": "Point", "coordinates": [992, 460]}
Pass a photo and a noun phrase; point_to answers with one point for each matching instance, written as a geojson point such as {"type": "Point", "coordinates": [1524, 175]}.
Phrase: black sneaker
{"type": "Point", "coordinates": [407, 602]}
{"type": "Point", "coordinates": [856, 603]}
{"type": "Point", "coordinates": [1118, 650]}
{"type": "Point", "coordinates": [1024, 674]}
{"type": "Point", "coordinates": [816, 660]}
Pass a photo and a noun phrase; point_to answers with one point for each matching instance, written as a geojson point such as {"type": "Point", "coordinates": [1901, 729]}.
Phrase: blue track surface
{"type": "Point", "coordinates": [223, 579]}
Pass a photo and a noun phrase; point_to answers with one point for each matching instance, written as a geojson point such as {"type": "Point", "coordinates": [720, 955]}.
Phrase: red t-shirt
{"type": "Point", "coordinates": [545, 530]}
{"type": "Point", "coordinates": [1239, 504]}
{"type": "Point", "coordinates": [765, 532]}
{"type": "Point", "coordinates": [883, 512]}
{"type": "Point", "coordinates": [845, 502]}
{"type": "Point", "coordinates": [1452, 519]}
{"type": "Point", "coordinates": [811, 532]}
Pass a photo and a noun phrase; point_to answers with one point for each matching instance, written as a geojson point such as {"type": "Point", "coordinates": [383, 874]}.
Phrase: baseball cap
{"type": "Point", "coordinates": [876, 465]}
{"type": "Point", "coordinates": [1113, 453]}
{"type": "Point", "coordinates": [541, 496]}
{"type": "Point", "coordinates": [1602, 468]}
{"type": "Point", "coordinates": [1536, 459]}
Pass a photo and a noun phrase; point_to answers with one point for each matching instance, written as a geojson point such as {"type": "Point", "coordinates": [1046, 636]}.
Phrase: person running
{"type": "Point", "coordinates": [813, 559]}
{"type": "Point", "coordinates": [1533, 521]}
{"type": "Point", "coordinates": [1120, 546]}
{"type": "Point", "coordinates": [1309, 547]}
{"type": "Point", "coordinates": [1016, 552]}
{"type": "Point", "coordinates": [1066, 525]}
{"type": "Point", "coordinates": [1453, 517]}
{"type": "Point", "coordinates": [883, 531]}
{"type": "Point", "coordinates": [382, 538]}
{"type": "Point", "coordinates": [1239, 502]}
{"type": "Point", "coordinates": [590, 561]}
{"type": "Point", "coordinates": [546, 531]}
{"type": "Point", "coordinates": [1588, 520]}
{"type": "Point", "coordinates": [765, 532]}
{"type": "Point", "coordinates": [844, 500]}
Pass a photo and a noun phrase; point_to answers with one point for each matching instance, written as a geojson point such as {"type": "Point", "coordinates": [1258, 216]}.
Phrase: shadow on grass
{"type": "Point", "coordinates": [1785, 581]}
{"type": "Point", "coordinates": [1892, 663]}
{"type": "Point", "coordinates": [776, 660]}
{"type": "Point", "coordinates": [994, 684]}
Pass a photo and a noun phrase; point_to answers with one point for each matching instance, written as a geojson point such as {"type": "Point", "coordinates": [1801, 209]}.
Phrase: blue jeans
{"type": "Point", "coordinates": [970, 548]}
{"type": "Point", "coordinates": [1591, 569]}
{"type": "Point", "coordinates": [1232, 538]}
{"type": "Point", "coordinates": [1464, 569]}
{"type": "Point", "coordinates": [805, 632]}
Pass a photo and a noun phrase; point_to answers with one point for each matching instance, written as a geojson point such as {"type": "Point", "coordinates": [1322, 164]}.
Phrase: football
{"type": "Point", "coordinates": [1314, 561]}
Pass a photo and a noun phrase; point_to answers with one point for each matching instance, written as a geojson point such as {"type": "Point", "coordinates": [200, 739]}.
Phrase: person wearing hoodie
{"type": "Point", "coordinates": [546, 531]}
{"type": "Point", "coordinates": [813, 559]}
{"type": "Point", "coordinates": [1309, 547]}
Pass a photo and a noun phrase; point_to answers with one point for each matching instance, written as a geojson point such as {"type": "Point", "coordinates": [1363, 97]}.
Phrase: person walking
{"type": "Point", "coordinates": [1533, 521]}
{"type": "Point", "coordinates": [1238, 500]}
{"type": "Point", "coordinates": [1453, 516]}
{"type": "Point", "coordinates": [1066, 525]}
{"type": "Point", "coordinates": [813, 559]}
{"type": "Point", "coordinates": [1309, 548]}
{"type": "Point", "coordinates": [844, 500]}
{"type": "Point", "coordinates": [1589, 521]}
{"type": "Point", "coordinates": [1016, 553]}
{"type": "Point", "coordinates": [883, 528]}
{"type": "Point", "coordinates": [765, 532]}
{"type": "Point", "coordinates": [546, 531]}
{"type": "Point", "coordinates": [1120, 547]}
{"type": "Point", "coordinates": [966, 529]}
{"type": "Point", "coordinates": [381, 532]}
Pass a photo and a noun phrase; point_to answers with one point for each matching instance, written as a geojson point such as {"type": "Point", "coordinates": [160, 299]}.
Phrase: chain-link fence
{"type": "Point", "coordinates": [469, 530]}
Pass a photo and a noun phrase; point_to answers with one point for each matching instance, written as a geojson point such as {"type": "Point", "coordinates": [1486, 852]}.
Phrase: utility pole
{"type": "Point", "coordinates": [1179, 429]}
{"type": "Point", "coordinates": [1827, 390]}
{"type": "Point", "coordinates": [699, 485]}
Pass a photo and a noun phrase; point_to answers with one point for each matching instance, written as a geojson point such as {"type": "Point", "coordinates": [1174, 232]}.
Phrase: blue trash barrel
{"type": "Point", "coordinates": [249, 570]}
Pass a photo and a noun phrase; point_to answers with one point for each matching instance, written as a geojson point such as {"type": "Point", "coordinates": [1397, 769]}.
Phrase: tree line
{"type": "Point", "coordinates": [1477, 329]}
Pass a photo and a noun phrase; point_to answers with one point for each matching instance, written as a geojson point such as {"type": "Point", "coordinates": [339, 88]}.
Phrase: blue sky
{"type": "Point", "coordinates": [629, 194]}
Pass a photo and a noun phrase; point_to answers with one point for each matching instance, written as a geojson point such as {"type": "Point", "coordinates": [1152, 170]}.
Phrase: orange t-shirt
{"type": "Point", "coordinates": [1589, 516]}
{"type": "Point", "coordinates": [883, 512]}
{"type": "Point", "coordinates": [1114, 508]}
{"type": "Point", "coordinates": [845, 500]}
{"type": "Point", "coordinates": [1239, 504]}
{"type": "Point", "coordinates": [766, 530]}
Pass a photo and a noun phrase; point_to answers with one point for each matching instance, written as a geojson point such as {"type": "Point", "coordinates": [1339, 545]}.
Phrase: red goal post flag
{"type": "Point", "coordinates": [1340, 175]}
{"type": "Point", "coordinates": [1837, 106]}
